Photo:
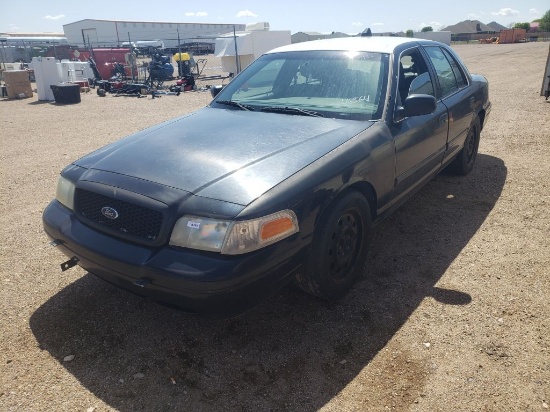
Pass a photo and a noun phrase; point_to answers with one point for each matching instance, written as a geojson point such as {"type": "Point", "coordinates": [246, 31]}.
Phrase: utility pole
{"type": "Point", "coordinates": [117, 39]}
{"type": "Point", "coordinates": [131, 51]}
{"type": "Point", "coordinates": [237, 62]}
{"type": "Point", "coordinates": [179, 56]}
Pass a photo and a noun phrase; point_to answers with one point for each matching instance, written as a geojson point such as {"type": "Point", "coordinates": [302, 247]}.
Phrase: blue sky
{"type": "Point", "coordinates": [348, 16]}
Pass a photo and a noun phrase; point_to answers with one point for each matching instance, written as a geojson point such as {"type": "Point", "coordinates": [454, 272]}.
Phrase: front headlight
{"type": "Point", "coordinates": [233, 237]}
{"type": "Point", "coordinates": [65, 192]}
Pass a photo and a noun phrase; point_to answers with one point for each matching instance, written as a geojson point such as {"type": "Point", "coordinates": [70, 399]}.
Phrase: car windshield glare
{"type": "Point", "coordinates": [333, 84]}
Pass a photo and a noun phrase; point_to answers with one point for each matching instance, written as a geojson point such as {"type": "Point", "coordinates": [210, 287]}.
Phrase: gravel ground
{"type": "Point", "coordinates": [452, 313]}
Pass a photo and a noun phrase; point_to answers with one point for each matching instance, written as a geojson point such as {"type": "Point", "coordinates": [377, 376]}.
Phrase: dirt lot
{"type": "Point", "coordinates": [451, 315]}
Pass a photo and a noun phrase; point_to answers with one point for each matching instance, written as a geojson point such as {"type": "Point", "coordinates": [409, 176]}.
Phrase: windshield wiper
{"type": "Point", "coordinates": [291, 110]}
{"type": "Point", "coordinates": [235, 104]}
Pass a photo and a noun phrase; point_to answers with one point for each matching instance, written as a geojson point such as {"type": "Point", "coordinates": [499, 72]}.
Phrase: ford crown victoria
{"type": "Point", "coordinates": [279, 179]}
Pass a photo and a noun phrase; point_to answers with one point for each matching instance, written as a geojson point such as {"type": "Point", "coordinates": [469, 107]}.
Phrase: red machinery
{"type": "Point", "coordinates": [106, 61]}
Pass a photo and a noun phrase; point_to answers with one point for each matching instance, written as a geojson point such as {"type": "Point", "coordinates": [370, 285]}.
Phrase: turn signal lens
{"type": "Point", "coordinates": [246, 236]}
{"type": "Point", "coordinates": [276, 227]}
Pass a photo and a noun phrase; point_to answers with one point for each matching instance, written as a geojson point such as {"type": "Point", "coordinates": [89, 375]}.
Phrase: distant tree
{"type": "Point", "coordinates": [427, 28]}
{"type": "Point", "coordinates": [409, 33]}
{"type": "Point", "coordinates": [545, 22]}
{"type": "Point", "coordinates": [525, 26]}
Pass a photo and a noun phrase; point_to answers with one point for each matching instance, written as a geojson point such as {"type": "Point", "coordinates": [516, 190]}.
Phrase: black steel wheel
{"type": "Point", "coordinates": [339, 248]}
{"type": "Point", "coordinates": [465, 161]}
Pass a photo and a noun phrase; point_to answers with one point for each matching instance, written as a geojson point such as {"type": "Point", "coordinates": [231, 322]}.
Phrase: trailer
{"type": "Point", "coordinates": [145, 47]}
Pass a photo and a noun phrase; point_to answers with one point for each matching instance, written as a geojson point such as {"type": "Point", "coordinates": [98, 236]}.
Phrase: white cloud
{"type": "Point", "coordinates": [246, 13]}
{"type": "Point", "coordinates": [59, 16]}
{"type": "Point", "coordinates": [505, 12]}
{"type": "Point", "coordinates": [357, 24]}
{"type": "Point", "coordinates": [377, 24]}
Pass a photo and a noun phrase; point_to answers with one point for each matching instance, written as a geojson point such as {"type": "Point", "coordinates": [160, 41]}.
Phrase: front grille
{"type": "Point", "coordinates": [132, 220]}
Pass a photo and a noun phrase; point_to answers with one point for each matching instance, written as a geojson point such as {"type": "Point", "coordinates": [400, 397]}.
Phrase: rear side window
{"type": "Point", "coordinates": [450, 74]}
{"type": "Point", "coordinates": [460, 77]}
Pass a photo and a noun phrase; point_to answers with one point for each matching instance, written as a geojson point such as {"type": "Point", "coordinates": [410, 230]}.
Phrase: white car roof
{"type": "Point", "coordinates": [372, 44]}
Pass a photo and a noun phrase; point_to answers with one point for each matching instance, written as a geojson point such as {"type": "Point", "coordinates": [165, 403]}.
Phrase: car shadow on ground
{"type": "Point", "coordinates": [294, 352]}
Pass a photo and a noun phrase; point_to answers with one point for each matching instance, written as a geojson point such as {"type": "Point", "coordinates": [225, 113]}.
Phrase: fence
{"type": "Point", "coordinates": [476, 37]}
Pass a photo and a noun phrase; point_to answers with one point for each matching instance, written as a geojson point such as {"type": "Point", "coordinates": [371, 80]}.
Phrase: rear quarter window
{"type": "Point", "coordinates": [444, 71]}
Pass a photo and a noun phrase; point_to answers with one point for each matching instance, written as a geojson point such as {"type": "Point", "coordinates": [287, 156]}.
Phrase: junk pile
{"type": "Point", "coordinates": [109, 71]}
{"type": "Point", "coordinates": [154, 74]}
{"type": "Point", "coordinates": [160, 70]}
{"type": "Point", "coordinates": [61, 81]}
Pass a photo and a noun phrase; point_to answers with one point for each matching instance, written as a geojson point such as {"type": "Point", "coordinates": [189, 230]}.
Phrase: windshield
{"type": "Point", "coordinates": [336, 84]}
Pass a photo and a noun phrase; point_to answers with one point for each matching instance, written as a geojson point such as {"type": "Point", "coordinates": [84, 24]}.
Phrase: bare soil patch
{"type": "Point", "coordinates": [452, 312]}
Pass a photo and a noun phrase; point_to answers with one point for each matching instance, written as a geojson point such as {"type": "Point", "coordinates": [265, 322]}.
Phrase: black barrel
{"type": "Point", "coordinates": [66, 93]}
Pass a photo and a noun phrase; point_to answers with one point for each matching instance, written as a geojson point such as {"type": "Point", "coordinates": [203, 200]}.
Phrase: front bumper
{"type": "Point", "coordinates": [207, 283]}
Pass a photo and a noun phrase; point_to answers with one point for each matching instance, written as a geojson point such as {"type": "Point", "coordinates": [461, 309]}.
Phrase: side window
{"type": "Point", "coordinates": [414, 77]}
{"type": "Point", "coordinates": [457, 70]}
{"type": "Point", "coordinates": [444, 71]}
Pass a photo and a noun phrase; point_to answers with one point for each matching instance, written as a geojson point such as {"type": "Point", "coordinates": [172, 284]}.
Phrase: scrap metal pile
{"type": "Point", "coordinates": [148, 80]}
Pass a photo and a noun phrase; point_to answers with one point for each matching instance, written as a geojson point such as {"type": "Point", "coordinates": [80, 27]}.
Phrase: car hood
{"type": "Point", "coordinates": [228, 155]}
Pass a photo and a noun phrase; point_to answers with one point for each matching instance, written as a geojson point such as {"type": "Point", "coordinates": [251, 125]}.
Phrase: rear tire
{"type": "Point", "coordinates": [339, 248]}
{"type": "Point", "coordinates": [465, 161]}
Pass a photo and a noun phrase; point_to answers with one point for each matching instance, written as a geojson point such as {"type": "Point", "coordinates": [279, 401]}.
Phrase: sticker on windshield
{"type": "Point", "coordinates": [194, 225]}
{"type": "Point", "coordinates": [357, 99]}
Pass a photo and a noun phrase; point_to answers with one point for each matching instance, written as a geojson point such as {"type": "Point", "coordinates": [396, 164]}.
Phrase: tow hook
{"type": "Point", "coordinates": [69, 263]}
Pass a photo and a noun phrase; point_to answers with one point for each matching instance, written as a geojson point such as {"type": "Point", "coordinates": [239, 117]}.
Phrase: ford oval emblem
{"type": "Point", "coordinates": [109, 212]}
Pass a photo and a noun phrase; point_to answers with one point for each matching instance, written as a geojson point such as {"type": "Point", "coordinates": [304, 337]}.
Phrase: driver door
{"type": "Point", "coordinates": [420, 141]}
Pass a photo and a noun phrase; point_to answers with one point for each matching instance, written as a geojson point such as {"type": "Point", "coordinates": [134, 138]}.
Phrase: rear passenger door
{"type": "Point", "coordinates": [454, 92]}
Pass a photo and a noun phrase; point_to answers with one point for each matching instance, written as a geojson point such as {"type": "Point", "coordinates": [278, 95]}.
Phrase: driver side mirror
{"type": "Point", "coordinates": [416, 105]}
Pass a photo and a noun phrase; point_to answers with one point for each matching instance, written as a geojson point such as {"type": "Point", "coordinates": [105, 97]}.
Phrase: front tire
{"type": "Point", "coordinates": [465, 161]}
{"type": "Point", "coordinates": [339, 248]}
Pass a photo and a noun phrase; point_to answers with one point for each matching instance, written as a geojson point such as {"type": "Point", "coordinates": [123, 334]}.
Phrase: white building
{"type": "Point", "coordinates": [112, 33]}
{"type": "Point", "coordinates": [441, 36]}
